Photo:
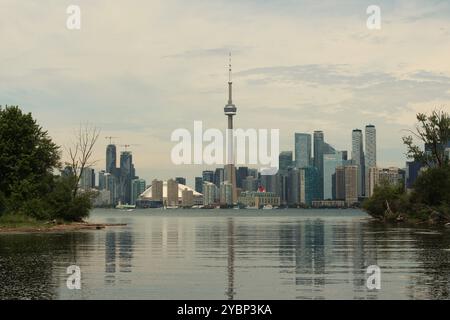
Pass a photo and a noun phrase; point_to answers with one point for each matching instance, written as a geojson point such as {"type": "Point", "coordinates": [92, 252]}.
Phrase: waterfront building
{"type": "Point", "coordinates": [111, 159]}
{"type": "Point", "coordinates": [250, 184]}
{"type": "Point", "coordinates": [210, 192]}
{"type": "Point", "coordinates": [112, 185]}
{"type": "Point", "coordinates": [330, 162]}
{"type": "Point", "coordinates": [258, 199]}
{"type": "Point", "coordinates": [172, 193]}
{"type": "Point", "coordinates": [340, 183]}
{"type": "Point", "coordinates": [157, 190]}
{"type": "Point", "coordinates": [293, 183]}
{"type": "Point", "coordinates": [309, 185]}
{"type": "Point", "coordinates": [226, 194]}
{"type": "Point", "coordinates": [328, 204]}
{"type": "Point", "coordinates": [208, 176]}
{"type": "Point", "coordinates": [351, 184]}
{"type": "Point", "coordinates": [302, 150]}
{"type": "Point", "coordinates": [102, 198]}
{"type": "Point", "coordinates": [370, 154]}
{"type": "Point", "coordinates": [219, 176]}
{"type": "Point", "coordinates": [187, 198]}
{"type": "Point", "coordinates": [318, 149]}
{"type": "Point", "coordinates": [199, 184]}
{"type": "Point", "coordinates": [392, 176]}
{"type": "Point", "coordinates": [242, 173]}
{"type": "Point", "coordinates": [412, 172]}
{"type": "Point", "coordinates": [101, 180]}
{"type": "Point", "coordinates": [126, 175]}
{"type": "Point", "coordinates": [358, 159]}
{"type": "Point", "coordinates": [175, 193]}
{"type": "Point", "coordinates": [87, 179]}
{"type": "Point", "coordinates": [138, 186]}
{"type": "Point", "coordinates": [285, 161]}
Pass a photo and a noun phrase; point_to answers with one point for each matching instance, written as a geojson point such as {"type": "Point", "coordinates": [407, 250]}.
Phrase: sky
{"type": "Point", "coordinates": [138, 70]}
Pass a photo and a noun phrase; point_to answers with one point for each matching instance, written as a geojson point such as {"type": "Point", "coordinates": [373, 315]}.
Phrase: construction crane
{"type": "Point", "coordinates": [110, 139]}
{"type": "Point", "coordinates": [126, 146]}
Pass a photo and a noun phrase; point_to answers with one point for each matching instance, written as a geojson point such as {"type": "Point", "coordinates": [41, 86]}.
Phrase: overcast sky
{"type": "Point", "coordinates": [141, 69]}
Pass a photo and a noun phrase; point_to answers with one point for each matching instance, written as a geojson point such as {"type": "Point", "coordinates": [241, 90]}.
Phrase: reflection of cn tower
{"type": "Point", "coordinates": [230, 111]}
{"type": "Point", "coordinates": [230, 268]}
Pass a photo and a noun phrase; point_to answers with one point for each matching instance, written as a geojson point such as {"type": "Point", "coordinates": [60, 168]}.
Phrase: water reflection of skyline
{"type": "Point", "coordinates": [229, 257]}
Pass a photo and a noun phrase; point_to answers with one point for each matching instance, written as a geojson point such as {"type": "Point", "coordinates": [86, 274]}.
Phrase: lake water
{"type": "Point", "coordinates": [229, 254]}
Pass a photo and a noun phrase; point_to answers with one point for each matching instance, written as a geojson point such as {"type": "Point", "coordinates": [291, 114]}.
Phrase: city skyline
{"type": "Point", "coordinates": [139, 84]}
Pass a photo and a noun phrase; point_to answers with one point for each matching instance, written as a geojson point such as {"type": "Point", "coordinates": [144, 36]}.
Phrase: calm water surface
{"type": "Point", "coordinates": [228, 254]}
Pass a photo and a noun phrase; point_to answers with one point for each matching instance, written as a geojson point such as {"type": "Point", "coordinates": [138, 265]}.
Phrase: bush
{"type": "Point", "coordinates": [432, 187]}
{"type": "Point", "coordinates": [393, 194]}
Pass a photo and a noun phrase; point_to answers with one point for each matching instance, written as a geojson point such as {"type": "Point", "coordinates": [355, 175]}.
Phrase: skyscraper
{"type": "Point", "coordinates": [157, 190]}
{"type": "Point", "coordinates": [219, 177]}
{"type": "Point", "coordinates": [199, 184]}
{"type": "Point", "coordinates": [137, 188]}
{"type": "Point", "coordinates": [181, 180]}
{"type": "Point", "coordinates": [87, 180]}
{"type": "Point", "coordinates": [208, 176]}
{"type": "Point", "coordinates": [172, 192]}
{"type": "Point", "coordinates": [126, 175]}
{"type": "Point", "coordinates": [370, 155]}
{"type": "Point", "coordinates": [351, 184]}
{"type": "Point", "coordinates": [318, 157]}
{"type": "Point", "coordinates": [358, 159]}
{"type": "Point", "coordinates": [242, 173]}
{"type": "Point", "coordinates": [285, 161]}
{"type": "Point", "coordinates": [111, 159]}
{"type": "Point", "coordinates": [309, 186]}
{"type": "Point", "coordinates": [302, 150]}
{"type": "Point", "coordinates": [330, 162]}
{"type": "Point", "coordinates": [230, 111]}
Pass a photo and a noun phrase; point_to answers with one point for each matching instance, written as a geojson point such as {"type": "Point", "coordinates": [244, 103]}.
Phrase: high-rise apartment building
{"type": "Point", "coordinates": [285, 161]}
{"type": "Point", "coordinates": [358, 159]}
{"type": "Point", "coordinates": [319, 146]}
{"type": "Point", "coordinates": [137, 188]}
{"type": "Point", "coordinates": [157, 190]}
{"type": "Point", "coordinates": [199, 184]}
{"type": "Point", "coordinates": [370, 154]}
{"type": "Point", "coordinates": [302, 150]}
{"type": "Point", "coordinates": [172, 192]}
{"type": "Point", "coordinates": [330, 162]}
{"type": "Point", "coordinates": [351, 184]}
{"type": "Point", "coordinates": [111, 159]}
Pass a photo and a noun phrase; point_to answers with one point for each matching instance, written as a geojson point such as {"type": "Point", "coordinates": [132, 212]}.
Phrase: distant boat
{"type": "Point", "coordinates": [125, 206]}
{"type": "Point", "coordinates": [268, 207]}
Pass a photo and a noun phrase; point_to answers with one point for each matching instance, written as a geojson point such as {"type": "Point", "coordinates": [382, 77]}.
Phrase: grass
{"type": "Point", "coordinates": [21, 221]}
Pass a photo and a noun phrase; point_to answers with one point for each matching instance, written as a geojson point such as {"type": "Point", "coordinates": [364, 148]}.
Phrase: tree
{"type": "Point", "coordinates": [27, 158]}
{"type": "Point", "coordinates": [434, 132]}
{"type": "Point", "coordinates": [80, 153]}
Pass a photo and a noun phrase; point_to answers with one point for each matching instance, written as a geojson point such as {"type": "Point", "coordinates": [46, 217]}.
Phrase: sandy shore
{"type": "Point", "coordinates": [59, 227]}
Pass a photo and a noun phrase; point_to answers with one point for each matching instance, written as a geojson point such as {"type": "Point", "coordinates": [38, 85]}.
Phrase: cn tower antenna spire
{"type": "Point", "coordinates": [229, 69]}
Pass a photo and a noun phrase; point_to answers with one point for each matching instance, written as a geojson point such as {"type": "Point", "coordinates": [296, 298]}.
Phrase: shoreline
{"type": "Point", "coordinates": [65, 227]}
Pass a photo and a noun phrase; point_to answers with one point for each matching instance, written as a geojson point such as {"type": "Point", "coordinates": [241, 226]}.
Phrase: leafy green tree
{"type": "Point", "coordinates": [434, 132]}
{"type": "Point", "coordinates": [27, 156]}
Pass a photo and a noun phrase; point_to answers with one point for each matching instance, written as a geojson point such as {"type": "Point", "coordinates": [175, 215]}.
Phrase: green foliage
{"type": "Point", "coordinates": [384, 195]}
{"type": "Point", "coordinates": [432, 187]}
{"type": "Point", "coordinates": [28, 187]}
{"type": "Point", "coordinates": [433, 131]}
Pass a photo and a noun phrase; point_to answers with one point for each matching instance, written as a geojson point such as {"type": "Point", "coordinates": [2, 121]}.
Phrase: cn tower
{"type": "Point", "coordinates": [230, 111]}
